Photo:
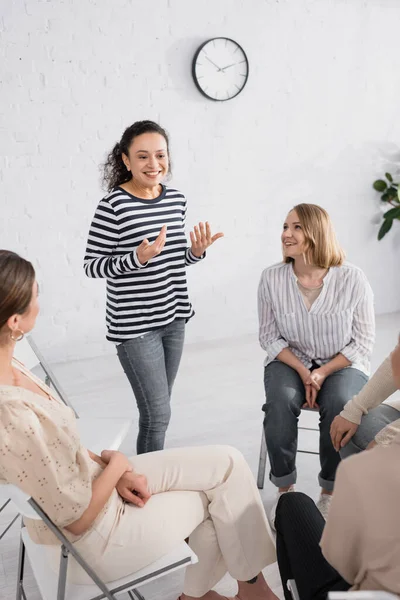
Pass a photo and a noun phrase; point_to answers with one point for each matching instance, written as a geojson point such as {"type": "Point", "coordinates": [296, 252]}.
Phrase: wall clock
{"type": "Point", "coordinates": [220, 69]}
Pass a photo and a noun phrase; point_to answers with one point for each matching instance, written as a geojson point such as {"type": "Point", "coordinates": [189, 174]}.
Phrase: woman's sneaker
{"type": "Point", "coordinates": [275, 504]}
{"type": "Point", "coordinates": [324, 504]}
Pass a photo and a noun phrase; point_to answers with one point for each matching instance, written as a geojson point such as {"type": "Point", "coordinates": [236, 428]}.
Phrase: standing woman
{"type": "Point", "coordinates": [137, 242]}
{"type": "Point", "coordinates": [317, 327]}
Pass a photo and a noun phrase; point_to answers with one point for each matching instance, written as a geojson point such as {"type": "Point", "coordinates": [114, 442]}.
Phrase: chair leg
{"type": "Point", "coordinates": [316, 453]}
{"type": "Point", "coordinates": [21, 567]}
{"type": "Point", "coordinates": [262, 461]}
{"type": "Point", "coordinates": [62, 576]}
{"type": "Point", "coordinates": [137, 594]}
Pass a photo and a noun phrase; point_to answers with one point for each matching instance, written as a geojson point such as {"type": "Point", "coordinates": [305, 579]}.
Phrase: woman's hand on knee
{"type": "Point", "coordinates": [341, 432]}
{"type": "Point", "coordinates": [133, 488]}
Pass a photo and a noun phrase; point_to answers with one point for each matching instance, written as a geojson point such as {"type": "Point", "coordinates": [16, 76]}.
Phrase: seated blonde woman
{"type": "Point", "coordinates": [317, 327]}
{"type": "Point", "coordinates": [365, 421]}
{"type": "Point", "coordinates": [206, 493]}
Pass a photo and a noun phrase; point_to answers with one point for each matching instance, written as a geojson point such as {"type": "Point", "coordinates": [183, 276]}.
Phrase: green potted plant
{"type": "Point", "coordinates": [390, 195]}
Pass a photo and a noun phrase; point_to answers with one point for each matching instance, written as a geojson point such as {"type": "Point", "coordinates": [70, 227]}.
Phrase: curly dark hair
{"type": "Point", "coordinates": [114, 171]}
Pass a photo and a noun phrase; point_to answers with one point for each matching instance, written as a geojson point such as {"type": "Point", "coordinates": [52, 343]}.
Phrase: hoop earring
{"type": "Point", "coordinates": [19, 338]}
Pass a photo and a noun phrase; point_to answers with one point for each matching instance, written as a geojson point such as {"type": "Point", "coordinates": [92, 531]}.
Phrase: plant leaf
{"type": "Point", "coordinates": [389, 177]}
{"type": "Point", "coordinates": [385, 197]}
{"type": "Point", "coordinates": [392, 191]}
{"type": "Point", "coordinates": [385, 227]}
{"type": "Point", "coordinates": [398, 193]}
{"type": "Point", "coordinates": [393, 213]}
{"type": "Point", "coordinates": [379, 185]}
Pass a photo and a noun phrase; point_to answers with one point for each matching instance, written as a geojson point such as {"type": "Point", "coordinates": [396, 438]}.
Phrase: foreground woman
{"type": "Point", "coordinates": [206, 493]}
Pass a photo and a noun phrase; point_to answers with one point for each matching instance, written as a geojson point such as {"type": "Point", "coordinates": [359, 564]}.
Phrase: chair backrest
{"type": "Point", "coordinates": [20, 499]}
{"type": "Point", "coordinates": [27, 352]}
{"type": "Point", "coordinates": [24, 353]}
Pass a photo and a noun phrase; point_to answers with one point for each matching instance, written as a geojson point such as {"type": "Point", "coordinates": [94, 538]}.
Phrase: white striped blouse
{"type": "Point", "coordinates": [341, 320]}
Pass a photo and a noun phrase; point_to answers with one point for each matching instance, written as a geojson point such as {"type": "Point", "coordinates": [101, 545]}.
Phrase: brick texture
{"type": "Point", "coordinates": [316, 122]}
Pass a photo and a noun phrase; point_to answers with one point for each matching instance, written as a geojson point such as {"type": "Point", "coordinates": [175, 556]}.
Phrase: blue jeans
{"type": "Point", "coordinates": [285, 395]}
{"type": "Point", "coordinates": [370, 425]}
{"type": "Point", "coordinates": [151, 363]}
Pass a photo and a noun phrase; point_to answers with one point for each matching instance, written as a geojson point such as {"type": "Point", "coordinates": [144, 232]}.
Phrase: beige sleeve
{"type": "Point", "coordinates": [379, 388]}
{"type": "Point", "coordinates": [42, 460]}
{"type": "Point", "coordinates": [341, 541]}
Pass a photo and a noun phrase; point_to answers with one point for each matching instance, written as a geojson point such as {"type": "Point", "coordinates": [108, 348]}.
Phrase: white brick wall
{"type": "Point", "coordinates": [313, 124]}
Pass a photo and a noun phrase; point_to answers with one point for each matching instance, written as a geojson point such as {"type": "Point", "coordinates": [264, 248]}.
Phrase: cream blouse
{"type": "Point", "coordinates": [40, 452]}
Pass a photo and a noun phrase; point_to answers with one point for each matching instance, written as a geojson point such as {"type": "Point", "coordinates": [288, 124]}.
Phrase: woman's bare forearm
{"type": "Point", "coordinates": [335, 364]}
{"type": "Point", "coordinates": [102, 489]}
{"type": "Point", "coordinates": [286, 356]}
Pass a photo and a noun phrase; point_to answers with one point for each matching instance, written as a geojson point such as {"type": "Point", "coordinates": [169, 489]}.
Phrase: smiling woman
{"type": "Point", "coordinates": [317, 327]}
{"type": "Point", "coordinates": [137, 242]}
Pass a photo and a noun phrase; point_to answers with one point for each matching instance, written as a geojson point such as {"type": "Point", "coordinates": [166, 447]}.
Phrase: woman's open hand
{"type": "Point", "coordinates": [201, 238]}
{"type": "Point", "coordinates": [147, 251]}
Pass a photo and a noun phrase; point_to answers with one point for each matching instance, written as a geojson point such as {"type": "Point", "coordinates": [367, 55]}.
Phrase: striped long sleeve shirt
{"type": "Point", "coordinates": [140, 298]}
{"type": "Point", "coordinates": [341, 320]}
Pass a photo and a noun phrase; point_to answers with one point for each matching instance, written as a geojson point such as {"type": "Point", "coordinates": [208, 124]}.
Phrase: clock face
{"type": "Point", "coordinates": [220, 69]}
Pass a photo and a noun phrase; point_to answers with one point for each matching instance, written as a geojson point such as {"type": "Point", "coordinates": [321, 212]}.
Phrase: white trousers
{"type": "Point", "coordinates": [205, 493]}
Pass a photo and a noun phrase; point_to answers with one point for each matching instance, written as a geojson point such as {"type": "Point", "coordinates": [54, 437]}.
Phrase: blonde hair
{"type": "Point", "coordinates": [321, 246]}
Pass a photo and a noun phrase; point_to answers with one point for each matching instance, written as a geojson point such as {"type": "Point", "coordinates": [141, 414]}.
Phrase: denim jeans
{"type": "Point", "coordinates": [151, 363]}
{"type": "Point", "coordinates": [370, 425]}
{"type": "Point", "coordinates": [285, 395]}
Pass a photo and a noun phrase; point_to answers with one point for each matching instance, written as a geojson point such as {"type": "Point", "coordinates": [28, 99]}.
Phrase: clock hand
{"type": "Point", "coordinates": [228, 66]}
{"type": "Point", "coordinates": [213, 63]}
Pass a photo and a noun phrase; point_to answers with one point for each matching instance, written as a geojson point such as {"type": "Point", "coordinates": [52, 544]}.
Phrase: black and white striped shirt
{"type": "Point", "coordinates": [341, 320]}
{"type": "Point", "coordinates": [140, 298]}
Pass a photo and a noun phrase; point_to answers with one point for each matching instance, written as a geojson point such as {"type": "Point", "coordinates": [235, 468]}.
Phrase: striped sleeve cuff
{"type": "Point", "coordinates": [191, 259]}
{"type": "Point", "coordinates": [350, 352]}
{"type": "Point", "coordinates": [275, 348]}
{"type": "Point", "coordinates": [134, 262]}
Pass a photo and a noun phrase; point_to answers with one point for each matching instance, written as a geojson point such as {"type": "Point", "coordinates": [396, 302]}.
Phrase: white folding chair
{"type": "Point", "coordinates": [262, 462]}
{"type": "Point", "coordinates": [5, 501]}
{"type": "Point", "coordinates": [359, 595]}
{"type": "Point", "coordinates": [27, 352]}
{"type": "Point", "coordinates": [377, 595]}
{"type": "Point", "coordinates": [292, 587]}
{"type": "Point", "coordinates": [55, 585]}
{"type": "Point", "coordinates": [96, 434]}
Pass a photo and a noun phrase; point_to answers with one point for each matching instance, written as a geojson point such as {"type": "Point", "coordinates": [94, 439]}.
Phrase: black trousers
{"type": "Point", "coordinates": [299, 526]}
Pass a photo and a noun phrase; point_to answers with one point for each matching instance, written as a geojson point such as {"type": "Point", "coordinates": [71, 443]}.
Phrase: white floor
{"type": "Point", "coordinates": [217, 399]}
